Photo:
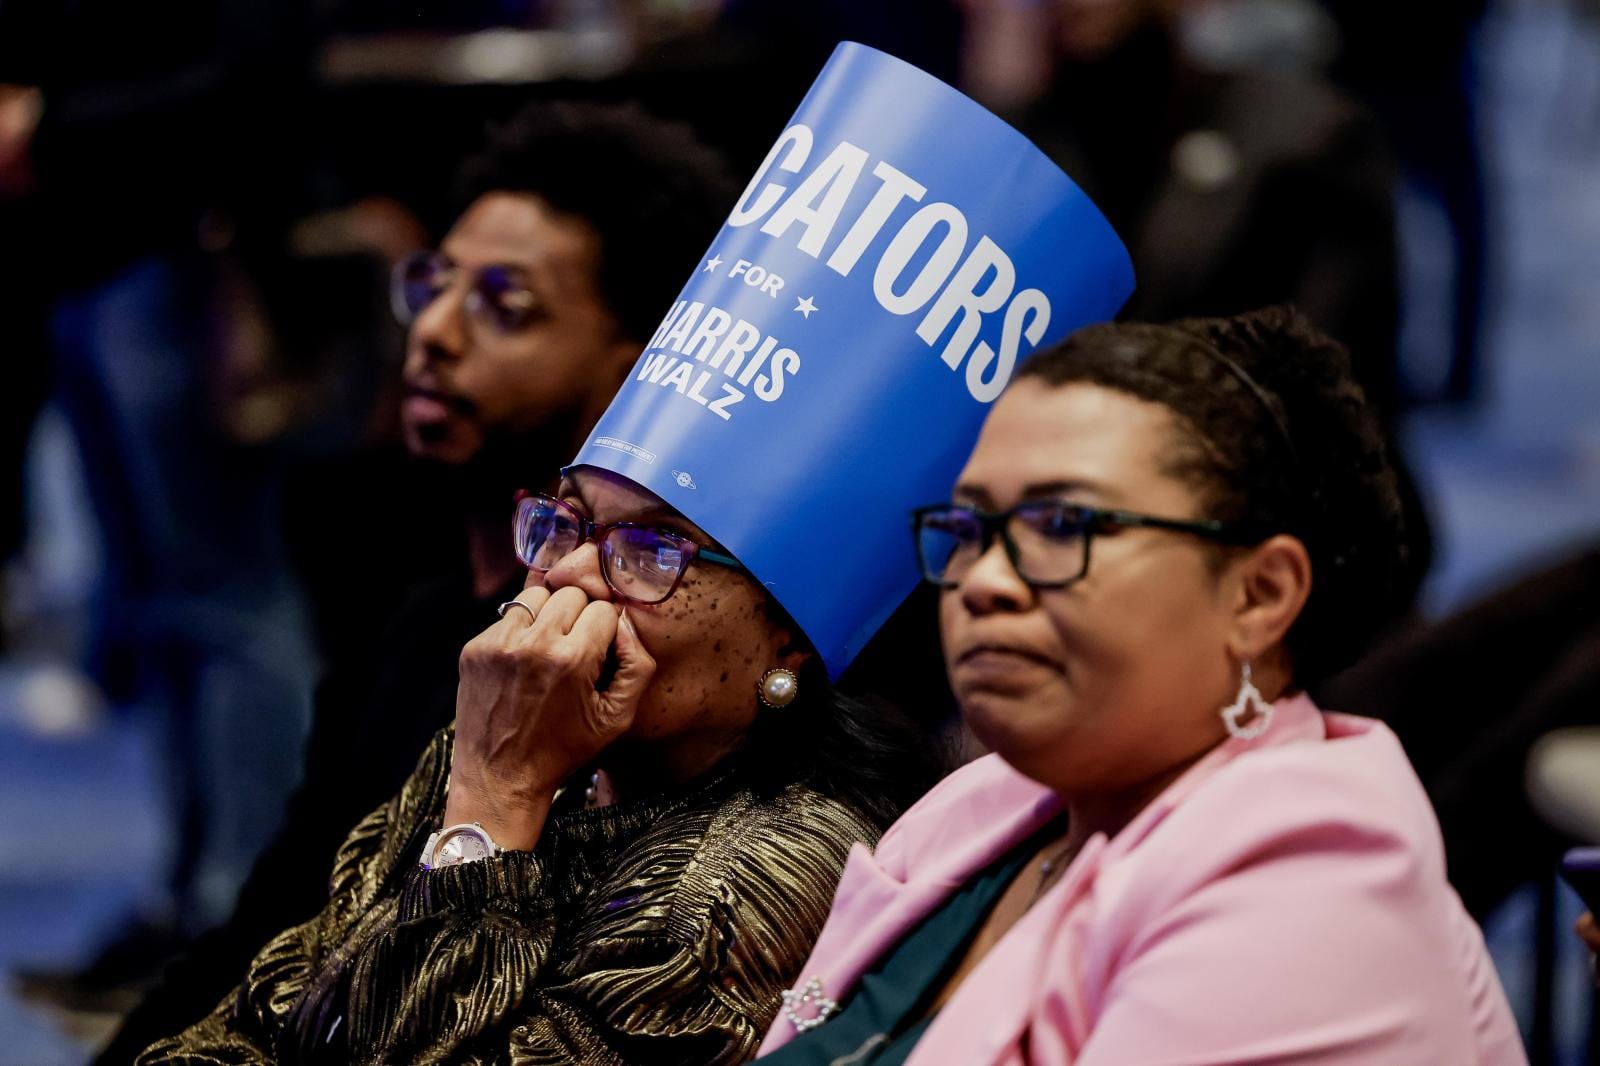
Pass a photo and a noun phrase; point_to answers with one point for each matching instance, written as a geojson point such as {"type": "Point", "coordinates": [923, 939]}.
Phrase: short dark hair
{"type": "Point", "coordinates": [654, 194]}
{"type": "Point", "coordinates": [1330, 484]}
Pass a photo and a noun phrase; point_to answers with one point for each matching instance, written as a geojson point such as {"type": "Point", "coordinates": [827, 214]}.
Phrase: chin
{"type": "Point", "coordinates": [997, 719]}
{"type": "Point", "coordinates": [438, 444]}
{"type": "Point", "coordinates": [1018, 725]}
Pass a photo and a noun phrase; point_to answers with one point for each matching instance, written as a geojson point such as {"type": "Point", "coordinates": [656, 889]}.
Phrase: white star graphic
{"type": "Point", "coordinates": [712, 263]}
{"type": "Point", "coordinates": [805, 306]}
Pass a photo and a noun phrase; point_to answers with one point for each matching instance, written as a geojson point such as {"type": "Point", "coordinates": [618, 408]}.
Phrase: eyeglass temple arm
{"type": "Point", "coordinates": [1220, 531]}
{"type": "Point", "coordinates": [707, 555]}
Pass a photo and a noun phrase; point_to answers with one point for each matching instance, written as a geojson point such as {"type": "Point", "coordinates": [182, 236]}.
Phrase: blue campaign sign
{"type": "Point", "coordinates": [827, 368]}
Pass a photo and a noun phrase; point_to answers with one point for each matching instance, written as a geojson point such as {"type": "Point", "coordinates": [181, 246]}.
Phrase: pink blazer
{"type": "Point", "coordinates": [1283, 901]}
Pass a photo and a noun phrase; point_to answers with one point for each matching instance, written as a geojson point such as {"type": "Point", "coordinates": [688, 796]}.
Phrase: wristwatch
{"type": "Point", "coordinates": [456, 844]}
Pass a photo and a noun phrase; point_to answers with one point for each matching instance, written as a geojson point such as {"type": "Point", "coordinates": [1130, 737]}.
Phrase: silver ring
{"type": "Point", "coordinates": [516, 603]}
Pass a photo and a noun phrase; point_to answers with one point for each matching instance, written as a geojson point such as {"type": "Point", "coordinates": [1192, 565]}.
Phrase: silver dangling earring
{"type": "Point", "coordinates": [778, 687]}
{"type": "Point", "coordinates": [1235, 713]}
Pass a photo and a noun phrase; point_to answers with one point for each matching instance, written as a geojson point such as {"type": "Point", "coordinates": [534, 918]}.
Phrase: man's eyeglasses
{"type": "Point", "coordinates": [1047, 541]}
{"type": "Point", "coordinates": [497, 296]}
{"type": "Point", "coordinates": [642, 565]}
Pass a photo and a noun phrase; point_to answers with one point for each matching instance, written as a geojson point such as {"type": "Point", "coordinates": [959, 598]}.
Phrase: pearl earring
{"type": "Point", "coordinates": [778, 687]}
{"type": "Point", "coordinates": [1234, 715]}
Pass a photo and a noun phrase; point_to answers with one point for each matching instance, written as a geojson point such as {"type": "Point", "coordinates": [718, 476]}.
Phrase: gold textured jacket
{"type": "Point", "coordinates": [656, 932]}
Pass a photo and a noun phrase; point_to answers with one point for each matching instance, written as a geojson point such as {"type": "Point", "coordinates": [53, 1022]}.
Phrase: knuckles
{"type": "Point", "coordinates": [562, 658]}
{"type": "Point", "coordinates": [489, 653]}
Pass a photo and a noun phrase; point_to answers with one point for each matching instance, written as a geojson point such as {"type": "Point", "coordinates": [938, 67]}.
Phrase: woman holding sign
{"type": "Point", "coordinates": [1173, 856]}
{"type": "Point", "coordinates": [514, 900]}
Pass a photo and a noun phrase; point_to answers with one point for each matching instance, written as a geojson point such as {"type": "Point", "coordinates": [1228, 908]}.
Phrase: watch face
{"type": "Point", "coordinates": [460, 846]}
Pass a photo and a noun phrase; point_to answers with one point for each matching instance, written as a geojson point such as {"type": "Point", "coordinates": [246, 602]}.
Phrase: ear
{"type": "Point", "coordinates": [793, 653]}
{"type": "Point", "coordinates": [794, 650]}
{"type": "Point", "coordinates": [610, 371]}
{"type": "Point", "coordinates": [1271, 585]}
{"type": "Point", "coordinates": [620, 355]}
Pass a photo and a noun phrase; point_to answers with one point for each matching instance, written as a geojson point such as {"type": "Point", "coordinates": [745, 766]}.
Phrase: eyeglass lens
{"type": "Point", "coordinates": [545, 534]}
{"type": "Point", "coordinates": [1048, 543]}
{"type": "Point", "coordinates": [641, 564]}
{"type": "Point", "coordinates": [498, 294]}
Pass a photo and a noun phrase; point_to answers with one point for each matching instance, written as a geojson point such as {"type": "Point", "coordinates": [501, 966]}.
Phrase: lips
{"type": "Point", "coordinates": [997, 654]}
{"type": "Point", "coordinates": [429, 403]}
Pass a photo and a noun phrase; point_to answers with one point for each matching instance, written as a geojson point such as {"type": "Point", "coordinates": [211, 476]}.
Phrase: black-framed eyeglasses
{"type": "Point", "coordinates": [1047, 541]}
{"type": "Point", "coordinates": [642, 564]}
{"type": "Point", "coordinates": [498, 296]}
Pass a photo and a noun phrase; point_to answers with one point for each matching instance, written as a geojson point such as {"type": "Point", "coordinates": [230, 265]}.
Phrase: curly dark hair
{"type": "Point", "coordinates": [1330, 483]}
{"type": "Point", "coordinates": [654, 194]}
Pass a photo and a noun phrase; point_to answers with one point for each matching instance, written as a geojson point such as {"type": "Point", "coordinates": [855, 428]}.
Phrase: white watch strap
{"type": "Point", "coordinates": [437, 852]}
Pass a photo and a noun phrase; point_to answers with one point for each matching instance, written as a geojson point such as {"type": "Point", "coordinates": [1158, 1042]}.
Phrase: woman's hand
{"type": "Point", "coordinates": [528, 715]}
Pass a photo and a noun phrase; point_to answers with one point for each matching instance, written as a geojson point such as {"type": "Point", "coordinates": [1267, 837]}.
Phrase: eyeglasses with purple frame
{"type": "Point", "coordinates": [496, 294]}
{"type": "Point", "coordinates": [631, 553]}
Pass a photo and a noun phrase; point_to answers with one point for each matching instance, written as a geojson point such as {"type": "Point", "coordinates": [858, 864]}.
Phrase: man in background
{"type": "Point", "coordinates": [580, 224]}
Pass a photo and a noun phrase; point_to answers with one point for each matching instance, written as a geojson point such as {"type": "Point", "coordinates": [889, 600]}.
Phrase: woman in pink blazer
{"type": "Point", "coordinates": [1173, 857]}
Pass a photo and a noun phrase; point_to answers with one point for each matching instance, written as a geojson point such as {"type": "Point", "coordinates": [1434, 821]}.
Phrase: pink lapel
{"type": "Point", "coordinates": [973, 817]}
{"type": "Point", "coordinates": [969, 820]}
{"type": "Point", "coordinates": [997, 1002]}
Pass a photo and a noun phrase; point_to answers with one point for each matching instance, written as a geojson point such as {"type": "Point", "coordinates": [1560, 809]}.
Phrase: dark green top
{"type": "Point", "coordinates": [888, 1013]}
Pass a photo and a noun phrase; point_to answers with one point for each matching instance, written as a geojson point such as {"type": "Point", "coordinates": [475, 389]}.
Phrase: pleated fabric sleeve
{"type": "Point", "coordinates": [661, 931]}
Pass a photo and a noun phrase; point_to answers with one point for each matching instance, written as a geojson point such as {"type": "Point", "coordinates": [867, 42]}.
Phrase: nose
{"type": "Point", "coordinates": [439, 332]}
{"type": "Point", "coordinates": [580, 567]}
{"type": "Point", "coordinates": [992, 585]}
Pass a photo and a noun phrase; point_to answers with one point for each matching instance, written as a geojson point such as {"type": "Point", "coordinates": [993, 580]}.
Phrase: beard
{"type": "Point", "coordinates": [510, 459]}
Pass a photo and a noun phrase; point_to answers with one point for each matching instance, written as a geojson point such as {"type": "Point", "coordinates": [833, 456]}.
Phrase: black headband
{"type": "Point", "coordinates": [1260, 393]}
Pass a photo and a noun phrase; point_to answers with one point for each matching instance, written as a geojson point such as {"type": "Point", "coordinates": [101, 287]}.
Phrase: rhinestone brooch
{"type": "Point", "coordinates": [794, 1002]}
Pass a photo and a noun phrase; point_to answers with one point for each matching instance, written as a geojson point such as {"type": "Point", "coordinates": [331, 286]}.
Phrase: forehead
{"type": "Point", "coordinates": [608, 497]}
{"type": "Point", "coordinates": [1039, 434]}
{"type": "Point", "coordinates": [522, 230]}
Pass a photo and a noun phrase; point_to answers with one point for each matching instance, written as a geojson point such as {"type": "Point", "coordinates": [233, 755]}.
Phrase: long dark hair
{"type": "Point", "coordinates": [861, 749]}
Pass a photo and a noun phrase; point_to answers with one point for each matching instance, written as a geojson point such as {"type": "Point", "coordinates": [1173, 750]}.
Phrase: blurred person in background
{"type": "Point", "coordinates": [1232, 189]}
{"type": "Point", "coordinates": [196, 621]}
{"type": "Point", "coordinates": [23, 295]}
{"type": "Point", "coordinates": [578, 224]}
{"type": "Point", "coordinates": [1512, 666]}
{"type": "Point", "coordinates": [1416, 66]}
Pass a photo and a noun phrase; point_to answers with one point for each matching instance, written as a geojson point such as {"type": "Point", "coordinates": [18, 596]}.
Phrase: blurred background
{"type": "Point", "coordinates": [202, 510]}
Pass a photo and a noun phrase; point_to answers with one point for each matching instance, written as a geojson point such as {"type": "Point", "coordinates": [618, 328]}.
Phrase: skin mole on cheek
{"type": "Point", "coordinates": [716, 645]}
{"type": "Point", "coordinates": [724, 678]}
